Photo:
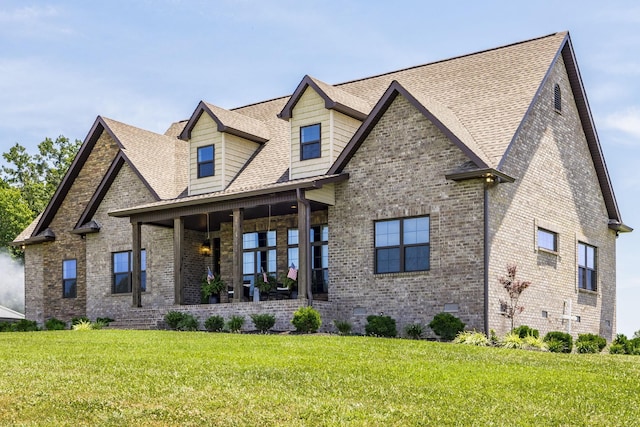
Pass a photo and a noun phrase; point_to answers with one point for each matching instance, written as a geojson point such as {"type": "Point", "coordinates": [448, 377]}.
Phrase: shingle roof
{"type": "Point", "coordinates": [161, 160]}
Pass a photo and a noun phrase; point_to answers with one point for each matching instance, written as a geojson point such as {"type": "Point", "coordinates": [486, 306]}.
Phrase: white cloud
{"type": "Point", "coordinates": [26, 15]}
{"type": "Point", "coordinates": [626, 121]}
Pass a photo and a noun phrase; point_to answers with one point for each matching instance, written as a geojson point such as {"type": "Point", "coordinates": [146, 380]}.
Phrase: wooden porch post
{"type": "Point", "coordinates": [304, 249]}
{"type": "Point", "coordinates": [136, 281]}
{"type": "Point", "coordinates": [238, 290]}
{"type": "Point", "coordinates": [178, 244]}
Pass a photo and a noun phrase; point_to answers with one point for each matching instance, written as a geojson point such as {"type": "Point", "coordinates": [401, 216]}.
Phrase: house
{"type": "Point", "coordinates": [406, 193]}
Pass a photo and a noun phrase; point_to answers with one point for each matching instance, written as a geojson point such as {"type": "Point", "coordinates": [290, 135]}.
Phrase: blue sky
{"type": "Point", "coordinates": [148, 63]}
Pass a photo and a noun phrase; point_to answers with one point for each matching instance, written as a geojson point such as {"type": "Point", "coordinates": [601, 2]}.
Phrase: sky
{"type": "Point", "coordinates": [148, 63]}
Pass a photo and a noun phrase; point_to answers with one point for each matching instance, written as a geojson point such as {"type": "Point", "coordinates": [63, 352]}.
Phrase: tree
{"type": "Point", "coordinates": [28, 182]}
{"type": "Point", "coordinates": [15, 216]}
{"type": "Point", "coordinates": [37, 176]}
{"type": "Point", "coordinates": [514, 287]}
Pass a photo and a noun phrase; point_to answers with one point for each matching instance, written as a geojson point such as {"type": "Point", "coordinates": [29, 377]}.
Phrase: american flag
{"type": "Point", "coordinates": [293, 273]}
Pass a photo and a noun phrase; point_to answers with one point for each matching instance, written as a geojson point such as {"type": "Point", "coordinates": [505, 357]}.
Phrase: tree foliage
{"type": "Point", "coordinates": [514, 288]}
{"type": "Point", "coordinates": [27, 183]}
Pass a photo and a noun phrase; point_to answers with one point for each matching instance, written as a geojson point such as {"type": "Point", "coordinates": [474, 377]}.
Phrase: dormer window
{"type": "Point", "coordinates": [205, 161]}
{"type": "Point", "coordinates": [310, 142]}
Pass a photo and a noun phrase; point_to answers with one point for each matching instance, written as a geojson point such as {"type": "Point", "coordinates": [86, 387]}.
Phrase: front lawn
{"type": "Point", "coordinates": [158, 378]}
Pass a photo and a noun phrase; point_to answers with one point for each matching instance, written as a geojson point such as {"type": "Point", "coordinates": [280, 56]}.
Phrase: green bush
{"type": "Point", "coordinates": [512, 340]}
{"type": "Point", "coordinates": [173, 318]}
{"type": "Point", "coordinates": [472, 338]}
{"type": "Point", "coordinates": [24, 325]}
{"type": "Point", "coordinates": [559, 342]}
{"type": "Point", "coordinates": [590, 343]}
{"type": "Point", "coordinates": [54, 324]}
{"type": "Point", "coordinates": [446, 326]}
{"type": "Point", "coordinates": [5, 327]}
{"type": "Point", "coordinates": [622, 345]}
{"type": "Point", "coordinates": [414, 330]}
{"type": "Point", "coordinates": [235, 323]}
{"type": "Point", "coordinates": [306, 320]}
{"type": "Point", "coordinates": [82, 325]}
{"type": "Point", "coordinates": [188, 323]}
{"type": "Point", "coordinates": [263, 322]}
{"type": "Point", "coordinates": [531, 342]}
{"type": "Point", "coordinates": [343, 327]}
{"type": "Point", "coordinates": [524, 331]}
{"type": "Point", "coordinates": [381, 326]}
{"type": "Point", "coordinates": [617, 349]}
{"type": "Point", "coordinates": [214, 324]}
{"type": "Point", "coordinates": [104, 320]}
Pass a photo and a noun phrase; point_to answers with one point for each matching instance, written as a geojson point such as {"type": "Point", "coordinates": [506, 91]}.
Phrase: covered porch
{"type": "Point", "coordinates": [243, 238]}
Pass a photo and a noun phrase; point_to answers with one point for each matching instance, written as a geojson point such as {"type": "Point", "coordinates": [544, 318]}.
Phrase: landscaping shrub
{"type": "Point", "coordinates": [472, 338]}
{"type": "Point", "coordinates": [104, 320]}
{"type": "Point", "coordinates": [235, 323]}
{"type": "Point", "coordinates": [24, 325]}
{"type": "Point", "coordinates": [214, 324]}
{"type": "Point", "coordinates": [381, 326]}
{"type": "Point", "coordinates": [82, 325]}
{"type": "Point", "coordinates": [524, 331]}
{"type": "Point", "coordinates": [590, 343]}
{"type": "Point", "coordinates": [343, 327]}
{"type": "Point", "coordinates": [512, 340]}
{"type": "Point", "coordinates": [559, 342]}
{"type": "Point", "coordinates": [54, 324]}
{"type": "Point", "coordinates": [188, 323]}
{"type": "Point", "coordinates": [306, 320]}
{"type": "Point", "coordinates": [76, 320]}
{"type": "Point", "coordinates": [263, 322]}
{"type": "Point", "coordinates": [622, 345]}
{"type": "Point", "coordinates": [531, 342]}
{"type": "Point", "coordinates": [173, 318]}
{"type": "Point", "coordinates": [414, 330]}
{"type": "Point", "coordinates": [5, 327]}
{"type": "Point", "coordinates": [446, 326]}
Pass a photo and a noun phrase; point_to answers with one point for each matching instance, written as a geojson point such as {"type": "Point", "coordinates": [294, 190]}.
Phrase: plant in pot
{"type": "Point", "coordinates": [265, 286]}
{"type": "Point", "coordinates": [211, 287]}
{"type": "Point", "coordinates": [291, 284]}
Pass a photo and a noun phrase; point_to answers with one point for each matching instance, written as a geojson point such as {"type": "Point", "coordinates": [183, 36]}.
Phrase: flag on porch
{"type": "Point", "coordinates": [209, 275]}
{"type": "Point", "coordinates": [293, 273]}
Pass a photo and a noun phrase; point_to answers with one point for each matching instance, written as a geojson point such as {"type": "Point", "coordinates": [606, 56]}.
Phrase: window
{"type": "Point", "coordinates": [123, 271]}
{"type": "Point", "coordinates": [319, 239]}
{"type": "Point", "coordinates": [402, 245]}
{"type": "Point", "coordinates": [547, 240]}
{"type": "Point", "coordinates": [259, 255]}
{"type": "Point", "coordinates": [69, 278]}
{"type": "Point", "coordinates": [587, 277]}
{"type": "Point", "coordinates": [310, 142]}
{"type": "Point", "coordinates": [205, 161]}
{"type": "Point", "coordinates": [557, 98]}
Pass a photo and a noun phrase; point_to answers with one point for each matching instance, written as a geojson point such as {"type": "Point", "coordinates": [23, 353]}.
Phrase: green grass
{"type": "Point", "coordinates": [158, 378]}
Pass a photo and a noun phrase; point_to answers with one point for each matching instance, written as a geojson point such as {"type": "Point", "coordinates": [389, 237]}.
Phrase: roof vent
{"type": "Point", "coordinates": [557, 98]}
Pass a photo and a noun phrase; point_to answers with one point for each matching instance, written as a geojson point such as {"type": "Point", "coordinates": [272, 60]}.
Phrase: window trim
{"type": "Point", "coordinates": [143, 272]}
{"type": "Point", "coordinates": [260, 249]}
{"type": "Point", "coordinates": [68, 279]}
{"type": "Point", "coordinates": [401, 246]}
{"type": "Point", "coordinates": [316, 245]}
{"type": "Point", "coordinates": [202, 163]}
{"type": "Point", "coordinates": [311, 142]}
{"type": "Point", "coordinates": [583, 269]}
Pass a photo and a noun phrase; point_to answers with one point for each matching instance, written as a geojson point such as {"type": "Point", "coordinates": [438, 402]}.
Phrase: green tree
{"type": "Point", "coordinates": [37, 176]}
{"type": "Point", "coordinates": [28, 182]}
{"type": "Point", "coordinates": [15, 215]}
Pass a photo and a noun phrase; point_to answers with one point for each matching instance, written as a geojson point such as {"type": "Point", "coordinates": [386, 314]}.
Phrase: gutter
{"type": "Point", "coordinates": [486, 258]}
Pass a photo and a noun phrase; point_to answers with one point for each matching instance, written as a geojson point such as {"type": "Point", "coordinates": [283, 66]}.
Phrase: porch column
{"type": "Point", "coordinates": [238, 291]}
{"type": "Point", "coordinates": [178, 244]}
{"type": "Point", "coordinates": [136, 281]}
{"type": "Point", "coordinates": [304, 248]}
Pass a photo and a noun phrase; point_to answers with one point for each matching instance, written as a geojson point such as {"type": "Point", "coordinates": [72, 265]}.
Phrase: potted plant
{"type": "Point", "coordinates": [291, 284]}
{"type": "Point", "coordinates": [265, 287]}
{"type": "Point", "coordinates": [211, 287]}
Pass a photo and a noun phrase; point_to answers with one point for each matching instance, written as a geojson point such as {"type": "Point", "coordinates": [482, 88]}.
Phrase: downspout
{"type": "Point", "coordinates": [307, 272]}
{"type": "Point", "coordinates": [486, 256]}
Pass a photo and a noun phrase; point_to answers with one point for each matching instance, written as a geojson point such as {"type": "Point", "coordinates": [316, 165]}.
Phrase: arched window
{"type": "Point", "coordinates": [557, 98]}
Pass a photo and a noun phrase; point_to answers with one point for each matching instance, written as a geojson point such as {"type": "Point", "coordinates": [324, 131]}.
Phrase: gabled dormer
{"type": "Point", "coordinates": [323, 119]}
{"type": "Point", "coordinates": [220, 144]}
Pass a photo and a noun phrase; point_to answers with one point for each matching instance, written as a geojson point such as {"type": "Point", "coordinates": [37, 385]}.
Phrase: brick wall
{"type": "Point", "coordinates": [44, 286]}
{"type": "Point", "coordinates": [399, 172]}
{"type": "Point", "coordinates": [556, 188]}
